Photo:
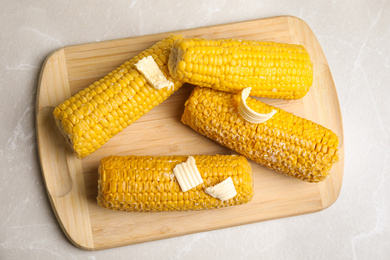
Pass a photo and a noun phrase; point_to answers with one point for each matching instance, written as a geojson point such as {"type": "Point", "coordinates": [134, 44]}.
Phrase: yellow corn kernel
{"type": "Point", "coordinates": [285, 143]}
{"type": "Point", "coordinates": [113, 102]}
{"type": "Point", "coordinates": [273, 70]}
{"type": "Point", "coordinates": [133, 183]}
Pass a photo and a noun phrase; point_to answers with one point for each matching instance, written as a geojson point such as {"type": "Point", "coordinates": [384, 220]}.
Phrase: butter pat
{"type": "Point", "coordinates": [152, 73]}
{"type": "Point", "coordinates": [187, 174]}
{"type": "Point", "coordinates": [224, 190]}
{"type": "Point", "coordinates": [248, 114]}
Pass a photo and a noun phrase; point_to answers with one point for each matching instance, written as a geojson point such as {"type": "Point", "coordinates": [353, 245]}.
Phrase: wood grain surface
{"type": "Point", "coordinates": [72, 183]}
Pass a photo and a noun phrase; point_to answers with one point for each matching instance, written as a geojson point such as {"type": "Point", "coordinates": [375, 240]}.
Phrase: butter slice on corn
{"type": "Point", "coordinates": [285, 143]}
{"type": "Point", "coordinates": [249, 114]}
{"type": "Point", "coordinates": [223, 191]}
{"type": "Point", "coordinates": [147, 183]}
{"type": "Point", "coordinates": [187, 174]}
{"type": "Point", "coordinates": [152, 73]}
{"type": "Point", "coordinates": [95, 114]}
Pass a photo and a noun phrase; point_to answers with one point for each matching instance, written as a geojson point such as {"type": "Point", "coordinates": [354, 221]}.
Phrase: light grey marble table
{"type": "Point", "coordinates": [355, 36]}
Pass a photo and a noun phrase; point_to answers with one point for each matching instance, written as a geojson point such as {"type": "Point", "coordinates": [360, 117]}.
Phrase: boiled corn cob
{"type": "Point", "coordinates": [285, 143]}
{"type": "Point", "coordinates": [103, 109]}
{"type": "Point", "coordinates": [147, 183]}
{"type": "Point", "coordinates": [273, 70]}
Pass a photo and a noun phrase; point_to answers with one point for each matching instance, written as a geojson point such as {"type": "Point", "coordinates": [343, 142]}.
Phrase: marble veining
{"type": "Point", "coordinates": [355, 37]}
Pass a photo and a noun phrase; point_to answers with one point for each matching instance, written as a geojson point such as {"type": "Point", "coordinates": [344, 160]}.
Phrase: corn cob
{"type": "Point", "coordinates": [285, 143]}
{"type": "Point", "coordinates": [273, 70]}
{"type": "Point", "coordinates": [147, 183]}
{"type": "Point", "coordinates": [103, 109]}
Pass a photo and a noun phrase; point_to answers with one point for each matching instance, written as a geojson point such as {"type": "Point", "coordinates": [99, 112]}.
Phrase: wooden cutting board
{"type": "Point", "coordinates": [72, 183]}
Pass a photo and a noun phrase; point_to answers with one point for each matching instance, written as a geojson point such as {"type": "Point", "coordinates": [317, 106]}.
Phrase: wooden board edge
{"type": "Point", "coordinates": [86, 245]}
{"type": "Point", "coordinates": [330, 188]}
{"type": "Point", "coordinates": [201, 230]}
{"type": "Point", "coordinates": [324, 189]}
{"type": "Point", "coordinates": [178, 31]}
